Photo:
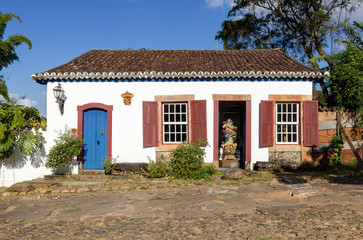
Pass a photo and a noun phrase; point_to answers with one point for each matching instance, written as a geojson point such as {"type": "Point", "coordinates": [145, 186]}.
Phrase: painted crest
{"type": "Point", "coordinates": [127, 96]}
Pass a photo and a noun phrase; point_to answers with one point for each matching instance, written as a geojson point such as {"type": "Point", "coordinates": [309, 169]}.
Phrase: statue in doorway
{"type": "Point", "coordinates": [229, 136]}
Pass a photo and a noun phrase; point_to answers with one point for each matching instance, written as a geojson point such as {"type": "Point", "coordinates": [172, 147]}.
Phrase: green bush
{"type": "Point", "coordinates": [210, 169]}
{"type": "Point", "coordinates": [66, 148]}
{"type": "Point", "coordinates": [336, 146]}
{"type": "Point", "coordinates": [352, 165]}
{"type": "Point", "coordinates": [159, 168]}
{"type": "Point", "coordinates": [187, 160]}
{"type": "Point", "coordinates": [108, 164]}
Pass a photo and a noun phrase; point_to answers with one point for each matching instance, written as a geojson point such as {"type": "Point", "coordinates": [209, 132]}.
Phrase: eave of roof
{"type": "Point", "coordinates": [180, 64]}
{"type": "Point", "coordinates": [169, 75]}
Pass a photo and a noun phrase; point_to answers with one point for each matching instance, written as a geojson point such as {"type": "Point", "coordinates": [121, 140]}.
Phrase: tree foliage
{"type": "Point", "coordinates": [299, 27]}
{"type": "Point", "coordinates": [346, 80]}
{"type": "Point", "coordinates": [19, 125]}
{"type": "Point", "coordinates": [7, 47]}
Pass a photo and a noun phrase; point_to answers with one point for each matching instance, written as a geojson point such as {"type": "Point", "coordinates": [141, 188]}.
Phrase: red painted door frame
{"type": "Point", "coordinates": [247, 135]}
{"type": "Point", "coordinates": [108, 109]}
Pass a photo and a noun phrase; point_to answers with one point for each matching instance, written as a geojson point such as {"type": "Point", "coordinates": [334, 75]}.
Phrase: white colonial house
{"type": "Point", "coordinates": [139, 103]}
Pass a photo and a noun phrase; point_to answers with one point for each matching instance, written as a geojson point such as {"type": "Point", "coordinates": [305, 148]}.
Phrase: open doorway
{"type": "Point", "coordinates": [236, 112]}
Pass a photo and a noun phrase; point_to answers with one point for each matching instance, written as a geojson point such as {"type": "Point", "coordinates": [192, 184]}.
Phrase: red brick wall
{"type": "Point", "coordinates": [326, 135]}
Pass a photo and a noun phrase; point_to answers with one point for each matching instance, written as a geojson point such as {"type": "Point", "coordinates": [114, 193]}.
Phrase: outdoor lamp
{"type": "Point", "coordinates": [58, 93]}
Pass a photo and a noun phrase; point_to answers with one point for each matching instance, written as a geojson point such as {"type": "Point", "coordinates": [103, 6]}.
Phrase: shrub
{"type": "Point", "coordinates": [66, 148]}
{"type": "Point", "coordinates": [336, 146]}
{"type": "Point", "coordinates": [210, 169]}
{"type": "Point", "coordinates": [352, 165]}
{"type": "Point", "coordinates": [108, 164]}
{"type": "Point", "coordinates": [187, 160]}
{"type": "Point", "coordinates": [159, 168]}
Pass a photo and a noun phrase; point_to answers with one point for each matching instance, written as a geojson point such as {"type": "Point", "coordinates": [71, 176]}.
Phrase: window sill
{"type": "Point", "coordinates": [166, 147]}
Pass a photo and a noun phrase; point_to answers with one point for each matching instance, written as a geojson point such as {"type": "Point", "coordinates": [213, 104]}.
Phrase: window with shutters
{"type": "Point", "coordinates": [175, 122]}
{"type": "Point", "coordinates": [287, 123]}
{"type": "Point", "coordinates": [173, 119]}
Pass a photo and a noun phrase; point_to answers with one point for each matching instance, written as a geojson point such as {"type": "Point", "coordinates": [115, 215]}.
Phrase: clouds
{"type": "Point", "coordinates": [23, 101]}
{"type": "Point", "coordinates": [218, 3]}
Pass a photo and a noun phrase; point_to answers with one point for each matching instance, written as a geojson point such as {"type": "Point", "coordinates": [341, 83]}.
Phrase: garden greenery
{"type": "Point", "coordinates": [336, 148]}
{"type": "Point", "coordinates": [66, 148]}
{"type": "Point", "coordinates": [19, 125]}
{"type": "Point", "coordinates": [159, 168]}
{"type": "Point", "coordinates": [186, 162]}
{"type": "Point", "coordinates": [108, 164]}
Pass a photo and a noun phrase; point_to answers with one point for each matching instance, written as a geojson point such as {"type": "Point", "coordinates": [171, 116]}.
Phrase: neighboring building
{"type": "Point", "coordinates": [183, 95]}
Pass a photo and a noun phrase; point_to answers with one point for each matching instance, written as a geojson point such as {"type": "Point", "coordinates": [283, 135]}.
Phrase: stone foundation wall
{"type": "Point", "coordinates": [286, 158]}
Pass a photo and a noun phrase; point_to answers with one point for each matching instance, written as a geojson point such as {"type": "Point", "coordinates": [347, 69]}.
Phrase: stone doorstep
{"type": "Point", "coordinates": [265, 166]}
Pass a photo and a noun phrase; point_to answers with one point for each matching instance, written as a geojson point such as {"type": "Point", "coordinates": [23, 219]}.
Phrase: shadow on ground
{"type": "Point", "coordinates": [296, 177]}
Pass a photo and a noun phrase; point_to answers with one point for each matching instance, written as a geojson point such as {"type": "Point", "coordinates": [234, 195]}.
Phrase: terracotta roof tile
{"type": "Point", "coordinates": [180, 61]}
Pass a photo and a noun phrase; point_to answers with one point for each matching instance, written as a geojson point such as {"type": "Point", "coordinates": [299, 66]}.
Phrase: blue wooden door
{"type": "Point", "coordinates": [95, 138]}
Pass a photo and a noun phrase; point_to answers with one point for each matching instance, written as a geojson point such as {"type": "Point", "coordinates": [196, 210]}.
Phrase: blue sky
{"type": "Point", "coordinates": [61, 30]}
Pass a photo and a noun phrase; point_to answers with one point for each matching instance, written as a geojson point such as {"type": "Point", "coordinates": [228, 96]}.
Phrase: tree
{"type": "Point", "coordinates": [7, 47]}
{"type": "Point", "coordinates": [300, 27]}
{"type": "Point", "coordinates": [18, 124]}
{"type": "Point", "coordinates": [346, 80]}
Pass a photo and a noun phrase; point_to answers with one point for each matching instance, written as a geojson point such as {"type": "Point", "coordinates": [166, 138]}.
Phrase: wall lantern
{"type": "Point", "coordinates": [59, 97]}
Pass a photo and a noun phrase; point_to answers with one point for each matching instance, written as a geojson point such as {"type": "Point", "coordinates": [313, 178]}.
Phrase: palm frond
{"type": "Point", "coordinates": [4, 90]}
{"type": "Point", "coordinates": [352, 34]}
{"type": "Point", "coordinates": [324, 58]}
{"type": "Point", "coordinates": [7, 145]}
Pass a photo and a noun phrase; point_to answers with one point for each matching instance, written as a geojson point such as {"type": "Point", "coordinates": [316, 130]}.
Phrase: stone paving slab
{"type": "Point", "coordinates": [180, 211]}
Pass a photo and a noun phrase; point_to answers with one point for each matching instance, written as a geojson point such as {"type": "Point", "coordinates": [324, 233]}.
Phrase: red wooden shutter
{"type": "Point", "coordinates": [150, 124]}
{"type": "Point", "coordinates": [311, 123]}
{"type": "Point", "coordinates": [266, 124]}
{"type": "Point", "coordinates": [199, 119]}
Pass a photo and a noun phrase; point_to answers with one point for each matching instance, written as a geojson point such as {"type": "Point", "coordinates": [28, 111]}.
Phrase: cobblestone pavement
{"type": "Point", "coordinates": [135, 209]}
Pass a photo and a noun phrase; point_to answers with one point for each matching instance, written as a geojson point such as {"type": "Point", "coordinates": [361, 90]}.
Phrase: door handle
{"type": "Point", "coordinates": [98, 142]}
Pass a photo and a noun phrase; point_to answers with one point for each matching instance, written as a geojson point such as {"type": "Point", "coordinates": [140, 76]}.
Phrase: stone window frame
{"type": "Point", "coordinates": [172, 99]}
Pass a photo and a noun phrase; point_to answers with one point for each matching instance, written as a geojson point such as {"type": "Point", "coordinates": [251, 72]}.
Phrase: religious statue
{"type": "Point", "coordinates": [229, 136]}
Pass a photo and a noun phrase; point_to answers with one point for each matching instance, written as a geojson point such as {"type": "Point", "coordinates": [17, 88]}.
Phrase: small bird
{"type": "Point", "coordinates": [291, 193]}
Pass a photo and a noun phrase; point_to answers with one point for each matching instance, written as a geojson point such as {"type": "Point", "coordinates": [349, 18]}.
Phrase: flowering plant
{"type": "Point", "coordinates": [63, 152]}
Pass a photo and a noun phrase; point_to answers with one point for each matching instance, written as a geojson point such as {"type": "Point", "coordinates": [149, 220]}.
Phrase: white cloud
{"type": "Point", "coordinates": [218, 3]}
{"type": "Point", "coordinates": [23, 101]}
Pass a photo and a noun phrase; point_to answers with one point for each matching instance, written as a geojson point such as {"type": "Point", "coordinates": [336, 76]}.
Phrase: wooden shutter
{"type": "Point", "coordinates": [266, 123]}
{"type": "Point", "coordinates": [311, 123]}
{"type": "Point", "coordinates": [199, 119]}
{"type": "Point", "coordinates": [150, 124]}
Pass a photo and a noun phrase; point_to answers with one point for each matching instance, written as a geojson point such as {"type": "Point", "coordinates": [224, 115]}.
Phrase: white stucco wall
{"type": "Point", "coordinates": [20, 168]}
{"type": "Point", "coordinates": [127, 133]}
{"type": "Point", "coordinates": [127, 120]}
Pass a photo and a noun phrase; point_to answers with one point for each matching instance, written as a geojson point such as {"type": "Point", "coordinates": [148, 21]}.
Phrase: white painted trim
{"type": "Point", "coordinates": [349, 123]}
{"type": "Point", "coordinates": [167, 75]}
{"type": "Point", "coordinates": [325, 147]}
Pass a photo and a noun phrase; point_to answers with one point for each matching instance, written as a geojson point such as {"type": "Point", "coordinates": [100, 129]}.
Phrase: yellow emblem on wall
{"type": "Point", "coordinates": [127, 96]}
